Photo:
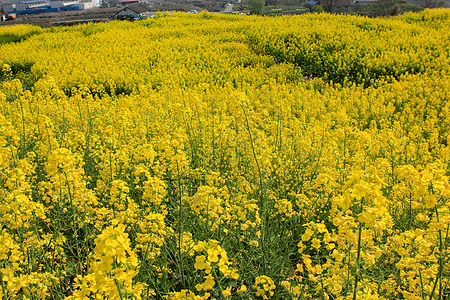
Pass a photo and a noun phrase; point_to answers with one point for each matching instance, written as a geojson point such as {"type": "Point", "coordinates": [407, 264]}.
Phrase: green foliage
{"type": "Point", "coordinates": [13, 34]}
{"type": "Point", "coordinates": [317, 8]}
{"type": "Point", "coordinates": [256, 6]}
{"type": "Point", "coordinates": [330, 51]}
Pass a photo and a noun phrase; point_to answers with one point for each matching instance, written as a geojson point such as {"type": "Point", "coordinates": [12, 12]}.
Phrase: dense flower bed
{"type": "Point", "coordinates": [215, 156]}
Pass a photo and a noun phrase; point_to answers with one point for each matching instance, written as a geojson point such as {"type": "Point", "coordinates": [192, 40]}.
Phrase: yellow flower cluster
{"type": "Point", "coordinates": [215, 254]}
{"type": "Point", "coordinates": [264, 287]}
{"type": "Point", "coordinates": [187, 295]}
{"type": "Point", "coordinates": [114, 266]}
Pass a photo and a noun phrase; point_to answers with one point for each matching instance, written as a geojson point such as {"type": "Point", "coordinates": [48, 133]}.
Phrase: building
{"type": "Point", "coordinates": [26, 5]}
{"type": "Point", "coordinates": [40, 6]}
{"type": "Point", "coordinates": [133, 12]}
{"type": "Point", "coordinates": [63, 3]}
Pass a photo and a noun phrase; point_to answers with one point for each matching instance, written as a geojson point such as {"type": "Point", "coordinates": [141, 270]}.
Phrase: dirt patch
{"type": "Point", "coordinates": [95, 15]}
{"type": "Point", "coordinates": [58, 18]}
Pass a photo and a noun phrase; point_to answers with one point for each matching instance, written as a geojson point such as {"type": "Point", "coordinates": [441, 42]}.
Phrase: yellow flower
{"type": "Point", "coordinates": [307, 235]}
{"type": "Point", "coordinates": [227, 292]}
{"type": "Point", "coordinates": [254, 243]}
{"type": "Point", "coordinates": [430, 201]}
{"type": "Point", "coordinates": [316, 243]}
{"type": "Point", "coordinates": [422, 218]}
{"type": "Point", "coordinates": [213, 254]}
{"type": "Point", "coordinates": [366, 217]}
{"type": "Point", "coordinates": [209, 282]}
{"type": "Point", "coordinates": [200, 263]}
{"type": "Point", "coordinates": [242, 289]}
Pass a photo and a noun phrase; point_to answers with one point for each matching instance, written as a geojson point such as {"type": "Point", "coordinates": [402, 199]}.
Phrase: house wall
{"type": "Point", "coordinates": [95, 3]}
{"type": "Point", "coordinates": [11, 7]}
{"type": "Point", "coordinates": [87, 5]}
{"type": "Point", "coordinates": [21, 6]}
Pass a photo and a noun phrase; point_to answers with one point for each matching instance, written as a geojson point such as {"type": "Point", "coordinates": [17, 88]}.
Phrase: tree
{"type": "Point", "coordinates": [385, 7]}
{"type": "Point", "coordinates": [317, 8]}
{"type": "Point", "coordinates": [256, 6]}
{"type": "Point", "coordinates": [328, 5]}
{"type": "Point", "coordinates": [432, 3]}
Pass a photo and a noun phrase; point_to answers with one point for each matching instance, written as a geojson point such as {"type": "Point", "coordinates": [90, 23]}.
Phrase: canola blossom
{"type": "Point", "coordinates": [218, 156]}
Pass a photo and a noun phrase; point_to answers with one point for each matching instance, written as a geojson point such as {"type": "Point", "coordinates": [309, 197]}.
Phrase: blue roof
{"type": "Point", "coordinates": [34, 1]}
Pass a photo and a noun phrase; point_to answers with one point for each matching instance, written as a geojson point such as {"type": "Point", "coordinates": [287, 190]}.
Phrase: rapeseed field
{"type": "Point", "coordinates": [226, 157]}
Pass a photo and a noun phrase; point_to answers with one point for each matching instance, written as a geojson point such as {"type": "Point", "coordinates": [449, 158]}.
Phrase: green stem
{"type": "Point", "coordinates": [357, 258]}
{"type": "Point", "coordinates": [446, 235]}
{"type": "Point", "coordinates": [118, 289]}
{"type": "Point", "coordinates": [23, 126]}
{"type": "Point", "coordinates": [5, 291]}
{"type": "Point", "coordinates": [74, 223]}
{"type": "Point", "coordinates": [180, 226]}
{"type": "Point", "coordinates": [434, 287]}
{"type": "Point", "coordinates": [262, 205]}
{"type": "Point", "coordinates": [421, 284]}
{"type": "Point", "coordinates": [322, 289]}
{"type": "Point", "coordinates": [441, 261]}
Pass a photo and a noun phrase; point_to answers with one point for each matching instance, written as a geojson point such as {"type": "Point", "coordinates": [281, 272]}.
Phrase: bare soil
{"type": "Point", "coordinates": [66, 18]}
